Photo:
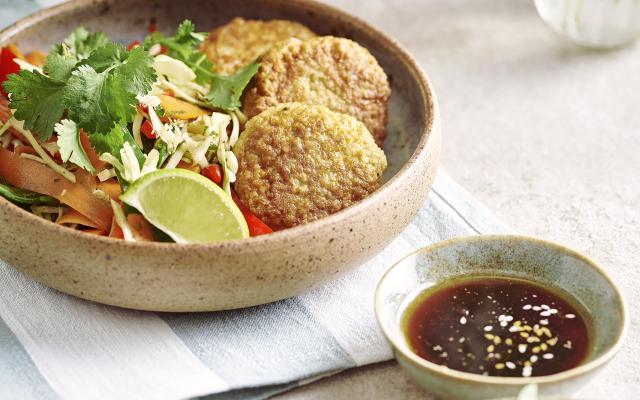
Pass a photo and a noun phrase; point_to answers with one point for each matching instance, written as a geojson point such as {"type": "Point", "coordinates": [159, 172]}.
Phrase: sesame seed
{"type": "Point", "coordinates": [547, 356]}
{"type": "Point", "coordinates": [499, 366]}
{"type": "Point", "coordinates": [490, 349]}
{"type": "Point", "coordinates": [553, 311]}
{"type": "Point", "coordinates": [488, 336]}
{"type": "Point", "coordinates": [535, 350]}
{"type": "Point", "coordinates": [524, 334]}
{"type": "Point", "coordinates": [508, 341]}
{"type": "Point", "coordinates": [527, 307]}
{"type": "Point", "coordinates": [533, 358]}
{"type": "Point", "coordinates": [545, 313]}
{"type": "Point", "coordinates": [552, 341]}
{"type": "Point", "coordinates": [544, 346]}
{"type": "Point", "coordinates": [437, 348]}
{"type": "Point", "coordinates": [443, 355]}
{"type": "Point", "coordinates": [570, 316]}
{"type": "Point", "coordinates": [488, 328]}
{"type": "Point", "coordinates": [497, 340]}
{"type": "Point", "coordinates": [544, 322]}
{"type": "Point", "coordinates": [463, 320]}
{"type": "Point", "coordinates": [510, 365]}
{"type": "Point", "coordinates": [461, 340]}
{"type": "Point", "coordinates": [533, 339]}
{"type": "Point", "coordinates": [522, 348]}
{"type": "Point", "coordinates": [526, 371]}
{"type": "Point", "coordinates": [545, 307]}
{"type": "Point", "coordinates": [536, 308]}
{"type": "Point", "coordinates": [567, 345]}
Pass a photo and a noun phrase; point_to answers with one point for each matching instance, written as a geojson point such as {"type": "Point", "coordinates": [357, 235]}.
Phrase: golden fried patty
{"type": "Point", "coordinates": [300, 162]}
{"type": "Point", "coordinates": [335, 72]}
{"type": "Point", "coordinates": [238, 43]}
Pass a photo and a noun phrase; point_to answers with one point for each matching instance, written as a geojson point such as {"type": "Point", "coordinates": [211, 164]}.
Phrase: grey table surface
{"type": "Point", "coordinates": [545, 133]}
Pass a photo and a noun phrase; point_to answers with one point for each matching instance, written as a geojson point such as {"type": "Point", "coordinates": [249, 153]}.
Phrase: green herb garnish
{"type": "Point", "coordinates": [226, 90]}
{"type": "Point", "coordinates": [90, 81]}
{"type": "Point", "coordinates": [70, 146]}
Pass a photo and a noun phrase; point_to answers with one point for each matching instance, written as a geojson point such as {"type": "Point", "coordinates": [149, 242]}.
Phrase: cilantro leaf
{"type": "Point", "coordinates": [100, 92]}
{"type": "Point", "coordinates": [112, 143]}
{"type": "Point", "coordinates": [226, 89]}
{"type": "Point", "coordinates": [183, 46]}
{"type": "Point", "coordinates": [70, 147]}
{"type": "Point", "coordinates": [59, 67]}
{"type": "Point", "coordinates": [37, 99]}
{"type": "Point", "coordinates": [114, 140]}
{"type": "Point", "coordinates": [80, 43]}
{"type": "Point", "coordinates": [106, 57]}
{"type": "Point", "coordinates": [184, 42]}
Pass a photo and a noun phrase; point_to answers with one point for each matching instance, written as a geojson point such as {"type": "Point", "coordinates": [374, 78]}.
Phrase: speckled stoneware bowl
{"type": "Point", "coordinates": [512, 256]}
{"type": "Point", "coordinates": [170, 277]}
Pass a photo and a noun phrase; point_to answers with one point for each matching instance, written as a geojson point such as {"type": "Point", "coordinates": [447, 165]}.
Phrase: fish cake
{"type": "Point", "coordinates": [240, 42]}
{"type": "Point", "coordinates": [335, 72]}
{"type": "Point", "coordinates": [300, 162]}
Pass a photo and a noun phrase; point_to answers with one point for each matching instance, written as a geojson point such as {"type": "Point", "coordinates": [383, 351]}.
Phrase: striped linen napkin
{"type": "Point", "coordinates": [54, 346]}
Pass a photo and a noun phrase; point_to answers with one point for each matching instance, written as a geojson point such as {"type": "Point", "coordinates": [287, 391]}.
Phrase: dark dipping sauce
{"type": "Point", "coordinates": [498, 327]}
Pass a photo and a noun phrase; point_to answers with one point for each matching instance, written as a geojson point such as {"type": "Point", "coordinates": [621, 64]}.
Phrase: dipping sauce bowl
{"type": "Point", "coordinates": [502, 256]}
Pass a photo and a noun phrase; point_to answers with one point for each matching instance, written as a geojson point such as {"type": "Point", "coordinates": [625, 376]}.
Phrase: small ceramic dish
{"type": "Point", "coordinates": [241, 273]}
{"type": "Point", "coordinates": [508, 256]}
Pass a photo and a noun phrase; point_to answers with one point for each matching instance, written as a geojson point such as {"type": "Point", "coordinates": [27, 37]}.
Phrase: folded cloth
{"type": "Point", "coordinates": [55, 346]}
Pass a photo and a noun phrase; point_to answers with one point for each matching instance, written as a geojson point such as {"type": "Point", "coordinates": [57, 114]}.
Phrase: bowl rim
{"type": "Point", "coordinates": [441, 370]}
{"type": "Point", "coordinates": [428, 133]}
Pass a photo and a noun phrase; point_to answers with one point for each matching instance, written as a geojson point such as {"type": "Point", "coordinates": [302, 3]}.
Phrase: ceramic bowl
{"type": "Point", "coordinates": [226, 275]}
{"type": "Point", "coordinates": [512, 256]}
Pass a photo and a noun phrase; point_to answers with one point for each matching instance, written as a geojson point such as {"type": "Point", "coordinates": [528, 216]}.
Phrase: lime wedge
{"type": "Point", "coordinates": [186, 206]}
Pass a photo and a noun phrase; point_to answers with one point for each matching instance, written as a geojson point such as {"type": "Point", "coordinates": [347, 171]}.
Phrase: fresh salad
{"type": "Point", "coordinates": [104, 137]}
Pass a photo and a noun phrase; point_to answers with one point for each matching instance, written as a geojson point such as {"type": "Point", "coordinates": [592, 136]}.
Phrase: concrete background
{"type": "Point", "coordinates": [545, 133]}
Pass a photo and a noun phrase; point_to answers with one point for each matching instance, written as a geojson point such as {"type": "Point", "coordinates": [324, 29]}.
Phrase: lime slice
{"type": "Point", "coordinates": [186, 206]}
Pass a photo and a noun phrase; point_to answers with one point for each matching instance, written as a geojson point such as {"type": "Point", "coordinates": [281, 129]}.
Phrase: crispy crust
{"type": "Point", "coordinates": [299, 163]}
{"type": "Point", "coordinates": [335, 72]}
{"type": "Point", "coordinates": [240, 42]}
